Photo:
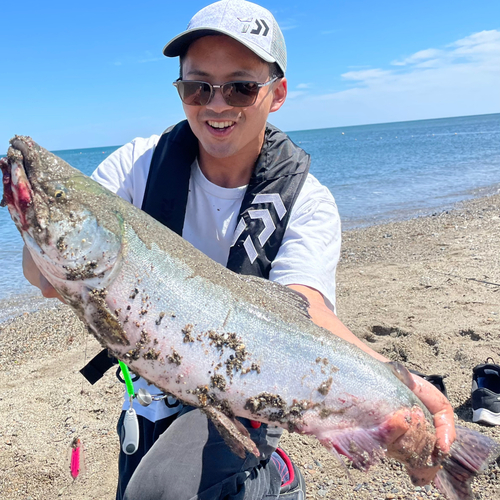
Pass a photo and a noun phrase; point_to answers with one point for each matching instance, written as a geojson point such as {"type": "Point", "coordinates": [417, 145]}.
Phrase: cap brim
{"type": "Point", "coordinates": [177, 45]}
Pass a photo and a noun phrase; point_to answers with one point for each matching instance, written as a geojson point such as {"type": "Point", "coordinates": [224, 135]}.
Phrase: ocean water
{"type": "Point", "coordinates": [401, 170]}
{"type": "Point", "coordinates": [376, 173]}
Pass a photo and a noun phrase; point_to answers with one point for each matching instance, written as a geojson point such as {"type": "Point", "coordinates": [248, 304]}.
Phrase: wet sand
{"type": "Point", "coordinates": [425, 292]}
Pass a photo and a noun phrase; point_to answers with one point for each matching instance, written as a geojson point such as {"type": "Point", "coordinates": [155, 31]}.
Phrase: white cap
{"type": "Point", "coordinates": [248, 23]}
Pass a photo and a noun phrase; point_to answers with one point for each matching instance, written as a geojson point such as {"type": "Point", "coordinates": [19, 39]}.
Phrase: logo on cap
{"type": "Point", "coordinates": [260, 24]}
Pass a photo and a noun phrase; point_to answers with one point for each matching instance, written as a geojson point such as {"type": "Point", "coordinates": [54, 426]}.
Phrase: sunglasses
{"type": "Point", "coordinates": [238, 94]}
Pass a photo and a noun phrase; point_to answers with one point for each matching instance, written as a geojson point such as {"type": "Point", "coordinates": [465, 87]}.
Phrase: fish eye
{"type": "Point", "coordinates": [59, 194]}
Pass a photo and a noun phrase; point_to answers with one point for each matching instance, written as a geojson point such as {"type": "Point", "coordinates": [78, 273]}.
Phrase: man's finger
{"type": "Point", "coordinates": [442, 411]}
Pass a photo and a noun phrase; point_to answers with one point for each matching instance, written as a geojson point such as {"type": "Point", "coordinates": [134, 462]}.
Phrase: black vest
{"type": "Point", "coordinates": [279, 174]}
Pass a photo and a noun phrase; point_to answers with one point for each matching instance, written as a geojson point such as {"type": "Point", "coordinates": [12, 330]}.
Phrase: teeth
{"type": "Point", "coordinates": [220, 124]}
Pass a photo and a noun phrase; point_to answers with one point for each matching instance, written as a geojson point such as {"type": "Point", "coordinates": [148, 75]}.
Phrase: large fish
{"type": "Point", "coordinates": [232, 345]}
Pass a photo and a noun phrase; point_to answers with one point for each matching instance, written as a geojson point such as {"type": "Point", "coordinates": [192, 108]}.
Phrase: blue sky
{"type": "Point", "coordinates": [88, 74]}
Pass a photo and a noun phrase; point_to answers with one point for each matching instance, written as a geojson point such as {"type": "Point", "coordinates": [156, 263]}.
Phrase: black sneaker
{"type": "Point", "coordinates": [486, 393]}
{"type": "Point", "coordinates": [293, 486]}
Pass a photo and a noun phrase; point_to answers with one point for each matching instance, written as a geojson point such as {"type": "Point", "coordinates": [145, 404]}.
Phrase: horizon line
{"type": "Point", "coordinates": [309, 129]}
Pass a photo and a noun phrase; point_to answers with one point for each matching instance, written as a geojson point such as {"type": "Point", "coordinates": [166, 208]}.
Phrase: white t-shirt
{"type": "Point", "coordinates": [310, 248]}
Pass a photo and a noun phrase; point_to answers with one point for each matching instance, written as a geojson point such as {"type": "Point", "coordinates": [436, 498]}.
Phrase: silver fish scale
{"type": "Point", "coordinates": [188, 321]}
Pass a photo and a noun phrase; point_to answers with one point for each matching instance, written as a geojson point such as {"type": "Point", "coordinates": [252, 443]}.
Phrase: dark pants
{"type": "Point", "coordinates": [149, 432]}
{"type": "Point", "coordinates": [190, 461]}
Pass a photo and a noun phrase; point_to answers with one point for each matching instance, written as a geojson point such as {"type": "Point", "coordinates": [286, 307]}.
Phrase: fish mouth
{"type": "Point", "coordinates": [17, 189]}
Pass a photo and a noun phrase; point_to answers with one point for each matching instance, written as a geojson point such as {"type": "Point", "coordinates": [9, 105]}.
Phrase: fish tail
{"type": "Point", "coordinates": [470, 454]}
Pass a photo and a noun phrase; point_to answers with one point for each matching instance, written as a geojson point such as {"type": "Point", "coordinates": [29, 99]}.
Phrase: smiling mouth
{"type": "Point", "coordinates": [220, 125]}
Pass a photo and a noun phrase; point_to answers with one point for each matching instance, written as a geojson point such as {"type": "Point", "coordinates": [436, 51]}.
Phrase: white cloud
{"type": "Point", "coordinates": [418, 57]}
{"type": "Point", "coordinates": [482, 42]}
{"type": "Point", "coordinates": [366, 75]}
{"type": "Point", "coordinates": [145, 57]}
{"type": "Point", "coordinates": [302, 90]}
{"type": "Point", "coordinates": [293, 94]}
{"type": "Point", "coordinates": [288, 24]}
{"type": "Point", "coordinates": [151, 59]}
{"type": "Point", "coordinates": [473, 47]}
{"type": "Point", "coordinates": [461, 78]}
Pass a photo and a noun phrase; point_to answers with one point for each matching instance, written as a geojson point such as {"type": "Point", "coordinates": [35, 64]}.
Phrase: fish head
{"type": "Point", "coordinates": [54, 206]}
{"type": "Point", "coordinates": [35, 187]}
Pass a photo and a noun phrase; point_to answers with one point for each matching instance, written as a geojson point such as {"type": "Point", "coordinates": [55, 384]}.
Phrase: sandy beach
{"type": "Point", "coordinates": [425, 292]}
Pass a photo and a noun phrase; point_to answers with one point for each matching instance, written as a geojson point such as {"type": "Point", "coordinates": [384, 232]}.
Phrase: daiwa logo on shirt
{"type": "Point", "coordinates": [265, 216]}
{"type": "Point", "coordinates": [260, 26]}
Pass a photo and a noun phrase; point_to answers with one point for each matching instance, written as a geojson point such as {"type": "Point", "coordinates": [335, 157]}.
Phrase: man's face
{"type": "Point", "coordinates": [225, 131]}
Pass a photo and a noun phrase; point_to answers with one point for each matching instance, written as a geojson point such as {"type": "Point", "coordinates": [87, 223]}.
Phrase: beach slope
{"type": "Point", "coordinates": [425, 292]}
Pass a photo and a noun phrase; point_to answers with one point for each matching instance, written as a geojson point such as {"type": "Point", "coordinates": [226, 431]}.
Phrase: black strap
{"type": "Point", "coordinates": [98, 366]}
{"type": "Point", "coordinates": [279, 175]}
{"type": "Point", "coordinates": [166, 193]}
{"type": "Point", "coordinates": [280, 172]}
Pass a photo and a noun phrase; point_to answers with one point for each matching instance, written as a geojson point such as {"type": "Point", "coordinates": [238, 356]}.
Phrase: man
{"type": "Point", "coordinates": [223, 179]}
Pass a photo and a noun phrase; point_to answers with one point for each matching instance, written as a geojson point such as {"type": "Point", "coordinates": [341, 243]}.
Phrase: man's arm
{"type": "Point", "coordinates": [435, 401]}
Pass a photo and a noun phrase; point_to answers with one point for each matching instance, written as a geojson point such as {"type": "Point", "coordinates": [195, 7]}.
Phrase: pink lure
{"type": "Point", "coordinates": [75, 465]}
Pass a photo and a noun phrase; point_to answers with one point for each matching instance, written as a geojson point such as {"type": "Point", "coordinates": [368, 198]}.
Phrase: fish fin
{"type": "Point", "coordinates": [470, 454]}
{"type": "Point", "coordinates": [402, 373]}
{"type": "Point", "coordinates": [234, 433]}
{"type": "Point", "coordinates": [287, 295]}
{"type": "Point", "coordinates": [104, 324]}
{"type": "Point", "coordinates": [337, 456]}
{"type": "Point", "coordinates": [362, 446]}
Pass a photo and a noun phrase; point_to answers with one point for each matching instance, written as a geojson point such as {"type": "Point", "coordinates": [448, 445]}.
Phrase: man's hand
{"type": "Point", "coordinates": [441, 410]}
{"type": "Point", "coordinates": [36, 278]}
{"type": "Point", "coordinates": [430, 396]}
